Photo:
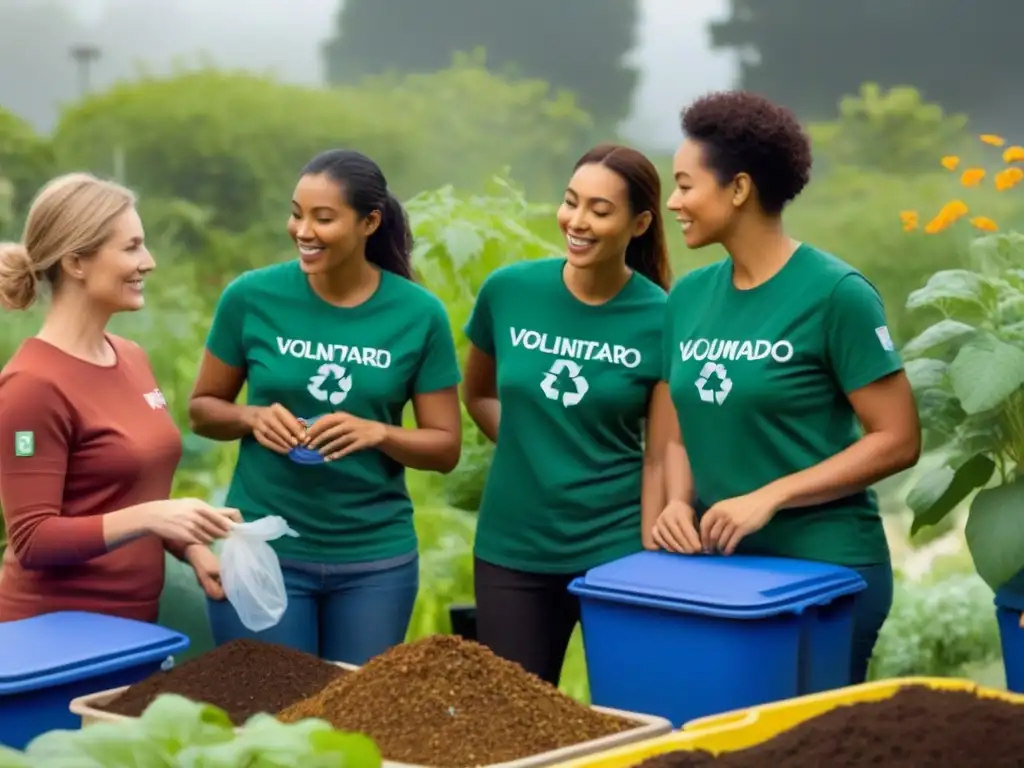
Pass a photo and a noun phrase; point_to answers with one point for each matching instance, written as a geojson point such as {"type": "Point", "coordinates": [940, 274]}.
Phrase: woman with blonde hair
{"type": "Point", "coordinates": [87, 447]}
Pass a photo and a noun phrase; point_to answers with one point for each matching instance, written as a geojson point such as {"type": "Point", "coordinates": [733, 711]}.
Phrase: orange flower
{"type": "Point", "coordinates": [984, 223]}
{"type": "Point", "coordinates": [1009, 178]}
{"type": "Point", "coordinates": [1013, 154]}
{"type": "Point", "coordinates": [950, 162]}
{"type": "Point", "coordinates": [950, 213]}
{"type": "Point", "coordinates": [992, 139]}
{"type": "Point", "coordinates": [909, 219]}
{"type": "Point", "coordinates": [972, 177]}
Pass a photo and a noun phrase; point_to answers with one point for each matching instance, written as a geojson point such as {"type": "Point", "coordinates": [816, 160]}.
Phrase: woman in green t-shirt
{"type": "Point", "coordinates": [332, 346]}
{"type": "Point", "coordinates": [790, 397]}
{"type": "Point", "coordinates": [565, 353]}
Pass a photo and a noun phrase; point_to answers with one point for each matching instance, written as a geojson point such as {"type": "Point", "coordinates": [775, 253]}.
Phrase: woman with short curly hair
{"type": "Point", "coordinates": [785, 386]}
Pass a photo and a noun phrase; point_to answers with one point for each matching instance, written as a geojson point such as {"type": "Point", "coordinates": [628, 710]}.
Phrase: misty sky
{"type": "Point", "coordinates": [673, 53]}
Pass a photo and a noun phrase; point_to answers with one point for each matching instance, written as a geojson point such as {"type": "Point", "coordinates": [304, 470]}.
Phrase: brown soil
{"type": "Point", "coordinates": [242, 677]}
{"type": "Point", "coordinates": [451, 703]}
{"type": "Point", "coordinates": [916, 728]}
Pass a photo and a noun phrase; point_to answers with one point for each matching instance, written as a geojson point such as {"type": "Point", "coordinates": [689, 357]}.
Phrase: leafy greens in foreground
{"type": "Point", "coordinates": [174, 732]}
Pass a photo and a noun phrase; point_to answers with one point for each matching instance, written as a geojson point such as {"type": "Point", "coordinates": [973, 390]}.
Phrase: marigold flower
{"type": "Point", "coordinates": [909, 219]}
{"type": "Point", "coordinates": [945, 218]}
{"type": "Point", "coordinates": [1014, 154]}
{"type": "Point", "coordinates": [950, 162]}
{"type": "Point", "coordinates": [936, 225]}
{"type": "Point", "coordinates": [972, 177]}
{"type": "Point", "coordinates": [1009, 178]}
{"type": "Point", "coordinates": [992, 139]}
{"type": "Point", "coordinates": [984, 223]}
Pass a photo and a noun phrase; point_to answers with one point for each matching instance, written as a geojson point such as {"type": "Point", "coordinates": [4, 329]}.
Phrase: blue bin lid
{"type": "Point", "coordinates": [58, 648]}
{"type": "Point", "coordinates": [736, 585]}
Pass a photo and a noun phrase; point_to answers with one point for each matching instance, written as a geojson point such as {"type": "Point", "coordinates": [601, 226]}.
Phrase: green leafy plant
{"type": "Point", "coordinates": [179, 137]}
{"type": "Point", "coordinates": [446, 566]}
{"type": "Point", "coordinates": [937, 627]}
{"type": "Point", "coordinates": [459, 241]}
{"type": "Point", "coordinates": [179, 733]}
{"type": "Point", "coordinates": [26, 160]}
{"type": "Point", "coordinates": [967, 370]}
{"type": "Point", "coordinates": [893, 130]}
{"type": "Point", "coordinates": [470, 121]}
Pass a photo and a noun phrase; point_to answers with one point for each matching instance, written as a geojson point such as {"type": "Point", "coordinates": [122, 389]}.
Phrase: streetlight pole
{"type": "Point", "coordinates": [84, 56]}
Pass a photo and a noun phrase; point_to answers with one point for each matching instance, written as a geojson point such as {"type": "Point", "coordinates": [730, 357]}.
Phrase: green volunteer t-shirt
{"type": "Point", "coordinates": [759, 379]}
{"type": "Point", "coordinates": [574, 381]}
{"type": "Point", "coordinates": [314, 358]}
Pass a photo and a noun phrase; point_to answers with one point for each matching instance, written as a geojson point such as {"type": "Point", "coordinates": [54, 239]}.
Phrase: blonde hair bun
{"type": "Point", "coordinates": [18, 280]}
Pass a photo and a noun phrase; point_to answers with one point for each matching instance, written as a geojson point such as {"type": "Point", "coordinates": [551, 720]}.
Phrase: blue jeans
{"type": "Point", "coordinates": [870, 610]}
{"type": "Point", "coordinates": [349, 612]}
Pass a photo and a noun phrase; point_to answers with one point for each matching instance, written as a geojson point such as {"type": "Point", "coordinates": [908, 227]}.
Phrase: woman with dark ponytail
{"type": "Point", "coordinates": [333, 345]}
{"type": "Point", "coordinates": [566, 353]}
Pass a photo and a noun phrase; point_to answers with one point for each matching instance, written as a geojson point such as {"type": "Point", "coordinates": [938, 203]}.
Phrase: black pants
{"type": "Point", "coordinates": [525, 617]}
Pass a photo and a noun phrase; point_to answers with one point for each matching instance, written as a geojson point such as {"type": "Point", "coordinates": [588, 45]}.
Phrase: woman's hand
{"type": "Point", "coordinates": [675, 531]}
{"type": "Point", "coordinates": [207, 568]}
{"type": "Point", "coordinates": [276, 429]}
{"type": "Point", "coordinates": [191, 521]}
{"type": "Point", "coordinates": [725, 524]}
{"type": "Point", "coordinates": [336, 435]}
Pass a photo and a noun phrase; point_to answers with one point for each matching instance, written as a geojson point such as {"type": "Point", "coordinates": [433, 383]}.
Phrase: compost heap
{"type": "Point", "coordinates": [916, 728]}
{"type": "Point", "coordinates": [242, 677]}
{"type": "Point", "coordinates": [451, 703]}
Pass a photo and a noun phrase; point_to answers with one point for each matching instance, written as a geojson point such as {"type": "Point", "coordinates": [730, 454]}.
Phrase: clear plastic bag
{"type": "Point", "coordinates": [251, 572]}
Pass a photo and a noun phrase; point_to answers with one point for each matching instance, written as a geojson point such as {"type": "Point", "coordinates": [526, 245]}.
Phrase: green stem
{"type": "Point", "coordinates": [1013, 414]}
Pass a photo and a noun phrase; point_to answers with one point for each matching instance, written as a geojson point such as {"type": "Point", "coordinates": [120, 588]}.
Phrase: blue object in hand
{"type": "Point", "coordinates": [302, 455]}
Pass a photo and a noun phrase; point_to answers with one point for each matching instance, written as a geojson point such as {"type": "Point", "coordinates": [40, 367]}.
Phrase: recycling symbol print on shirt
{"type": "Point", "coordinates": [331, 383]}
{"type": "Point", "coordinates": [707, 389]}
{"type": "Point", "coordinates": [552, 392]}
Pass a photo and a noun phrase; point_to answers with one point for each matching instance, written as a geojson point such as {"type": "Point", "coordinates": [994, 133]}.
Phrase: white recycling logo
{"type": "Point", "coordinates": [341, 378]}
{"type": "Point", "coordinates": [724, 383]}
{"type": "Point", "coordinates": [573, 369]}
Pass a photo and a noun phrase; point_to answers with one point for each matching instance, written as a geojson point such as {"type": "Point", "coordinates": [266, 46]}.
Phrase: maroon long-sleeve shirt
{"type": "Point", "coordinates": [77, 441]}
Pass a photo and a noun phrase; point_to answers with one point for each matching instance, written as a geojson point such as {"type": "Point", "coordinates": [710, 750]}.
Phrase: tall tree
{"type": "Point", "coordinates": [809, 53]}
{"type": "Point", "coordinates": [579, 45]}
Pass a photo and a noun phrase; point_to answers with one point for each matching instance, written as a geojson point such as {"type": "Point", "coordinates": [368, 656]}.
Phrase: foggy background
{"type": "Point", "coordinates": [962, 46]}
{"type": "Point", "coordinates": [285, 37]}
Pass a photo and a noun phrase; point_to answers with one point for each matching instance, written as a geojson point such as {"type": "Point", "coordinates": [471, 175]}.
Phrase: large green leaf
{"type": "Point", "coordinates": [995, 532]}
{"type": "Point", "coordinates": [463, 243]}
{"type": "Point", "coordinates": [925, 373]}
{"type": "Point", "coordinates": [938, 491]}
{"type": "Point", "coordinates": [982, 433]}
{"type": "Point", "coordinates": [1008, 319]}
{"type": "Point", "coordinates": [985, 372]}
{"type": "Point", "coordinates": [954, 292]}
{"type": "Point", "coordinates": [940, 413]}
{"type": "Point", "coordinates": [1013, 332]}
{"type": "Point", "coordinates": [10, 758]}
{"type": "Point", "coordinates": [936, 338]}
{"type": "Point", "coordinates": [994, 253]}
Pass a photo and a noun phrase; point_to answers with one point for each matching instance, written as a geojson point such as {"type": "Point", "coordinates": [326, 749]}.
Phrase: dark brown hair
{"type": "Point", "coordinates": [365, 189]}
{"type": "Point", "coordinates": [743, 132]}
{"type": "Point", "coordinates": [646, 254]}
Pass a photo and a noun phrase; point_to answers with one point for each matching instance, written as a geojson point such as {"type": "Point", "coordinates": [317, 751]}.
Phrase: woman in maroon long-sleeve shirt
{"type": "Point", "coordinates": [87, 447]}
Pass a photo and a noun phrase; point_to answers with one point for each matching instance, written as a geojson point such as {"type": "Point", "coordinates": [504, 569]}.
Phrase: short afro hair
{"type": "Point", "coordinates": [742, 132]}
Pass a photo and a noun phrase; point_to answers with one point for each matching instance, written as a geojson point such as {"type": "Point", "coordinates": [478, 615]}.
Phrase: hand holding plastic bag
{"type": "Point", "coordinates": [251, 572]}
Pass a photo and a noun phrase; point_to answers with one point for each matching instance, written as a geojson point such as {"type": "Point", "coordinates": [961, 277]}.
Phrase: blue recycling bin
{"type": "Point", "coordinates": [687, 636]}
{"type": "Point", "coordinates": [47, 661]}
{"type": "Point", "coordinates": [1009, 602]}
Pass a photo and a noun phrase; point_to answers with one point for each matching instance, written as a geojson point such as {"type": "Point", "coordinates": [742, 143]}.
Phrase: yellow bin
{"type": "Point", "coordinates": [733, 731]}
